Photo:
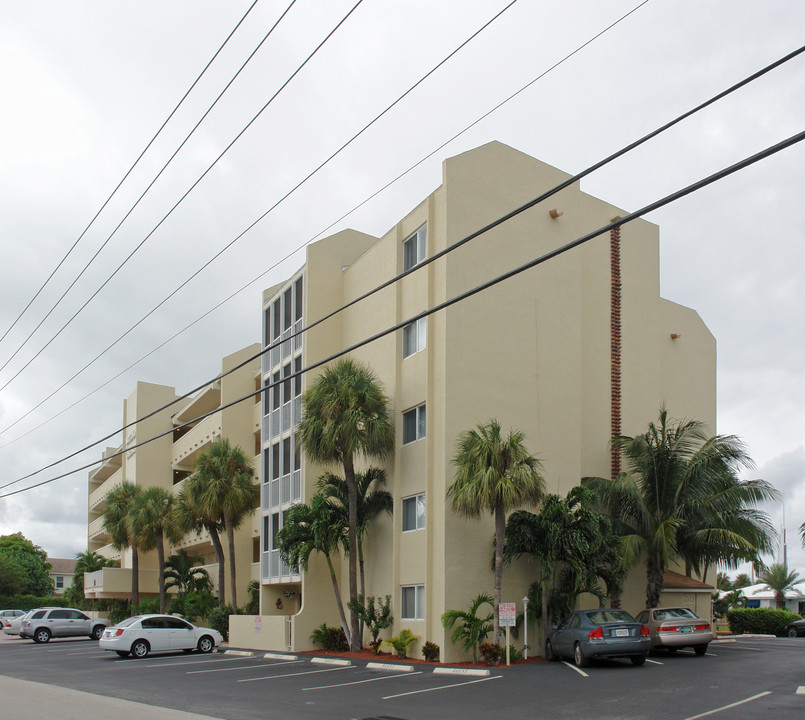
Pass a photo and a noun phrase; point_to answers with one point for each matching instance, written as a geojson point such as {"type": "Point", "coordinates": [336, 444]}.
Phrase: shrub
{"type": "Point", "coordinates": [253, 606]}
{"type": "Point", "coordinates": [490, 652]}
{"type": "Point", "coordinates": [118, 611]}
{"type": "Point", "coordinates": [402, 642]}
{"type": "Point", "coordinates": [198, 605]}
{"type": "Point", "coordinates": [766, 621]}
{"type": "Point", "coordinates": [430, 651]}
{"type": "Point", "coordinates": [375, 614]}
{"type": "Point", "coordinates": [148, 606]}
{"type": "Point", "coordinates": [29, 602]}
{"type": "Point", "coordinates": [330, 638]}
{"type": "Point", "coordinates": [219, 619]}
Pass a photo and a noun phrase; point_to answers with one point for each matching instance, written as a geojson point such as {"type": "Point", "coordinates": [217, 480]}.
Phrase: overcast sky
{"type": "Point", "coordinates": [86, 85]}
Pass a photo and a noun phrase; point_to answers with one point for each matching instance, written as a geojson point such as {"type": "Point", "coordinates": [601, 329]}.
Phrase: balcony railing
{"type": "Point", "coordinates": [96, 528]}
{"type": "Point", "coordinates": [97, 496]}
{"type": "Point", "coordinates": [197, 438]}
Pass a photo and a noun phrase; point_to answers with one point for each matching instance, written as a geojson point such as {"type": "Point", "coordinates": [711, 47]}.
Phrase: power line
{"type": "Point", "coordinates": [572, 180]}
{"type": "Point", "coordinates": [112, 194]}
{"type": "Point", "coordinates": [176, 205]}
{"type": "Point", "coordinates": [226, 247]}
{"type": "Point", "coordinates": [694, 187]}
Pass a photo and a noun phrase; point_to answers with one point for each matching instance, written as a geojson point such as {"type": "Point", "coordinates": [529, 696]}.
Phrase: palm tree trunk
{"type": "Point", "coordinates": [230, 538]}
{"type": "Point", "coordinates": [338, 600]}
{"type": "Point", "coordinates": [161, 561]}
{"type": "Point", "coordinates": [135, 579]}
{"type": "Point", "coordinates": [363, 583]}
{"type": "Point", "coordinates": [352, 495]}
{"type": "Point", "coordinates": [500, 538]}
{"type": "Point", "coordinates": [219, 553]}
{"type": "Point", "coordinates": [654, 582]}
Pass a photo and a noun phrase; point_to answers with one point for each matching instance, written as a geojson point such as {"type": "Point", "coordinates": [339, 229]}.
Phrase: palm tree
{"type": "Point", "coordinates": [372, 500]}
{"type": "Point", "coordinates": [191, 515]}
{"type": "Point", "coordinates": [181, 572]}
{"type": "Point", "coordinates": [117, 523]}
{"type": "Point", "coordinates": [497, 474]}
{"type": "Point", "coordinates": [345, 416]}
{"type": "Point", "coordinates": [228, 491]}
{"type": "Point", "coordinates": [778, 578]}
{"type": "Point", "coordinates": [575, 547]}
{"type": "Point", "coordinates": [681, 499]}
{"type": "Point", "coordinates": [153, 522]}
{"type": "Point", "coordinates": [317, 527]}
{"type": "Point", "coordinates": [85, 562]}
{"type": "Point", "coordinates": [469, 629]}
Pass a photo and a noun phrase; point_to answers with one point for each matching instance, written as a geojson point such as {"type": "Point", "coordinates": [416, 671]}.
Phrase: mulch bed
{"type": "Point", "coordinates": [385, 657]}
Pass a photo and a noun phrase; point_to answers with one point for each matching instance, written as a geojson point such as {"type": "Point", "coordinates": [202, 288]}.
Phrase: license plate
{"type": "Point", "coordinates": [621, 632]}
{"type": "Point", "coordinates": [686, 629]}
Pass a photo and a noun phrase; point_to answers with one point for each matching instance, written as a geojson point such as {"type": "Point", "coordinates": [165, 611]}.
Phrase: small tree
{"type": "Point", "coordinates": [375, 616]}
{"type": "Point", "coordinates": [468, 629]}
{"type": "Point", "coordinates": [778, 578]}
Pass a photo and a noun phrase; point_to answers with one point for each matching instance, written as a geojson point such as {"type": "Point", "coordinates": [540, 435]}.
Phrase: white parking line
{"type": "Point", "coordinates": [573, 667]}
{"type": "Point", "coordinates": [359, 682]}
{"type": "Point", "coordinates": [244, 667]}
{"type": "Point", "coordinates": [442, 687]}
{"type": "Point", "coordinates": [730, 706]}
{"type": "Point", "coordinates": [307, 672]}
{"type": "Point", "coordinates": [144, 662]}
{"type": "Point", "coordinates": [654, 662]}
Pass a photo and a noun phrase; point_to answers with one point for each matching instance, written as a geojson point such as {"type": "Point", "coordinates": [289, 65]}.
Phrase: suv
{"type": "Point", "coordinates": [45, 623]}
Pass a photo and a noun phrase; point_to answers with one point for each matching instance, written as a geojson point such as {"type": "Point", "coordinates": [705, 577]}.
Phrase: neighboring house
{"type": "Point", "coordinates": [682, 591]}
{"type": "Point", "coordinates": [61, 572]}
{"type": "Point", "coordinates": [572, 351]}
{"type": "Point", "coordinates": [167, 462]}
{"type": "Point", "coordinates": [760, 596]}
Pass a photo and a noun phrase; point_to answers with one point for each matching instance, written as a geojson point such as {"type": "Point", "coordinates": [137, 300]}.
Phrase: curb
{"type": "Point", "coordinates": [279, 656]}
{"type": "Point", "coordinates": [390, 667]}
{"type": "Point", "coordinates": [331, 661]}
{"type": "Point", "coordinates": [461, 671]}
{"type": "Point", "coordinates": [240, 653]}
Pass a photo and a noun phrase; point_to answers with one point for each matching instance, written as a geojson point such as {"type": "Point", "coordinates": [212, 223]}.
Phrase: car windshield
{"type": "Point", "coordinates": [609, 616]}
{"type": "Point", "coordinates": [675, 614]}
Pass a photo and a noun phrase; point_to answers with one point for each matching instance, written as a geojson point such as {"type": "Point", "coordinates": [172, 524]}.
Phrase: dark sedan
{"type": "Point", "coordinates": [795, 629]}
{"type": "Point", "coordinates": [587, 634]}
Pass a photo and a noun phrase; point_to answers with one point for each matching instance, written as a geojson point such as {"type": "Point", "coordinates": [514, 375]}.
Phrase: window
{"type": "Point", "coordinates": [413, 513]}
{"type": "Point", "coordinates": [414, 424]}
{"type": "Point", "coordinates": [414, 337]}
{"type": "Point", "coordinates": [59, 582]}
{"type": "Point", "coordinates": [415, 248]}
{"type": "Point", "coordinates": [413, 602]}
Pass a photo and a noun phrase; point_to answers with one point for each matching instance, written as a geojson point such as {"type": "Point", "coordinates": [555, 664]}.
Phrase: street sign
{"type": "Point", "coordinates": [508, 614]}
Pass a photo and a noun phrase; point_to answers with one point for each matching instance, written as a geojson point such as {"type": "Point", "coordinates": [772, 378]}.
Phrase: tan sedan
{"type": "Point", "coordinates": [672, 628]}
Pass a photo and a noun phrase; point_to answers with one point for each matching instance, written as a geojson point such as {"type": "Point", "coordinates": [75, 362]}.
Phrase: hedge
{"type": "Point", "coordinates": [29, 602]}
{"type": "Point", "coordinates": [765, 621]}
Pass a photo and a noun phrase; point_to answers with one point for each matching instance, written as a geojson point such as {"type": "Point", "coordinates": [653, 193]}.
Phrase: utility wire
{"type": "Point", "coordinates": [694, 187]}
{"type": "Point", "coordinates": [572, 180]}
{"type": "Point", "coordinates": [176, 205]}
{"type": "Point", "coordinates": [117, 187]}
{"type": "Point", "coordinates": [226, 247]}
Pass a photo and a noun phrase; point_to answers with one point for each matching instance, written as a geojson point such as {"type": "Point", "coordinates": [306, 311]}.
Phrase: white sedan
{"type": "Point", "coordinates": [143, 634]}
{"type": "Point", "coordinates": [11, 625]}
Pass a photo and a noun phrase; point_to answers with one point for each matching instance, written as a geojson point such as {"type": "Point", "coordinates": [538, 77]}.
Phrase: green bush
{"type": "Point", "coordinates": [253, 606]}
{"type": "Point", "coordinates": [29, 602]}
{"type": "Point", "coordinates": [330, 638]}
{"type": "Point", "coordinates": [765, 621]}
{"type": "Point", "coordinates": [219, 619]}
{"type": "Point", "coordinates": [490, 652]}
{"type": "Point", "coordinates": [148, 606]}
{"type": "Point", "coordinates": [120, 610]}
{"type": "Point", "coordinates": [430, 651]}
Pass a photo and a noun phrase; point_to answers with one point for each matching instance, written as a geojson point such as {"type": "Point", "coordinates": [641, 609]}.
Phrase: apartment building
{"type": "Point", "coordinates": [188, 427]}
{"type": "Point", "coordinates": [571, 351]}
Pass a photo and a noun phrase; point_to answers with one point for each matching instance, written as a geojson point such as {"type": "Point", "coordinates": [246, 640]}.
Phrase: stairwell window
{"type": "Point", "coordinates": [414, 335]}
{"type": "Point", "coordinates": [413, 513]}
{"type": "Point", "coordinates": [415, 248]}
{"type": "Point", "coordinates": [414, 424]}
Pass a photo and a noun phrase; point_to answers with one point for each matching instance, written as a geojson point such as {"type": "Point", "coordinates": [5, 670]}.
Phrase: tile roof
{"type": "Point", "coordinates": [676, 581]}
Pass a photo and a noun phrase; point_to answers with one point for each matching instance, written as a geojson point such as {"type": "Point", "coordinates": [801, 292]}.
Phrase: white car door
{"type": "Point", "coordinates": [182, 634]}
{"type": "Point", "coordinates": [155, 632]}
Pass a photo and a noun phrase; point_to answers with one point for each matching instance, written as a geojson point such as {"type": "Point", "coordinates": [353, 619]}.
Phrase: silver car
{"type": "Point", "coordinates": [11, 626]}
{"type": "Point", "coordinates": [672, 628]}
{"type": "Point", "coordinates": [45, 623]}
{"type": "Point", "coordinates": [587, 634]}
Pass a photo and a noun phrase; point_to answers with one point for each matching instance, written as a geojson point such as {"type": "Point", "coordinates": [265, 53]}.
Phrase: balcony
{"type": "Point", "coordinates": [108, 467]}
{"type": "Point", "coordinates": [186, 448]}
{"type": "Point", "coordinates": [96, 531]}
{"type": "Point", "coordinates": [99, 496]}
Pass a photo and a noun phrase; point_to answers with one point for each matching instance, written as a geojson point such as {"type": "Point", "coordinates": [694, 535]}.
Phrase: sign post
{"type": "Point", "coordinates": [507, 614]}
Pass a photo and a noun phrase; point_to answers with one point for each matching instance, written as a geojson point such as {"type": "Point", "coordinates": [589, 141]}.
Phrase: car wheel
{"type": "Point", "coordinates": [638, 659]}
{"type": "Point", "coordinates": [42, 635]}
{"type": "Point", "coordinates": [97, 632]}
{"type": "Point", "coordinates": [550, 655]}
{"type": "Point", "coordinates": [700, 650]}
{"type": "Point", "coordinates": [792, 632]}
{"type": "Point", "coordinates": [206, 644]}
{"type": "Point", "coordinates": [122, 653]}
{"type": "Point", "coordinates": [140, 649]}
{"type": "Point", "coordinates": [578, 657]}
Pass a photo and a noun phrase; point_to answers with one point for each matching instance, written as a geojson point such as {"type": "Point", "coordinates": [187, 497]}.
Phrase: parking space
{"type": "Point", "coordinates": [239, 687]}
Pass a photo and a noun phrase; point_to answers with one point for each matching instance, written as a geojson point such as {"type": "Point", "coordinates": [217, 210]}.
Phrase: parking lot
{"type": "Point", "coordinates": [742, 678]}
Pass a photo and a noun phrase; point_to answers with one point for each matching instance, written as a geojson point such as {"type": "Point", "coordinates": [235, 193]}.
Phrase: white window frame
{"type": "Point", "coordinates": [420, 415]}
{"type": "Point", "coordinates": [419, 602]}
{"type": "Point", "coordinates": [419, 242]}
{"type": "Point", "coordinates": [419, 512]}
{"type": "Point", "coordinates": [414, 337]}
